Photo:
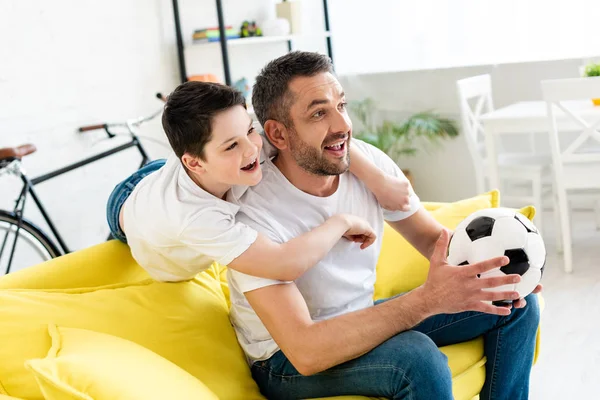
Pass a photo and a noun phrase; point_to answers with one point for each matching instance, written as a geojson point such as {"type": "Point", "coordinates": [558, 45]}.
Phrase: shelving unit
{"type": "Point", "coordinates": [260, 39]}
{"type": "Point", "coordinates": [224, 43]}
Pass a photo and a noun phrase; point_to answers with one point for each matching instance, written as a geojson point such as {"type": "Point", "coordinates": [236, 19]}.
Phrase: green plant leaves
{"type": "Point", "coordinates": [399, 139]}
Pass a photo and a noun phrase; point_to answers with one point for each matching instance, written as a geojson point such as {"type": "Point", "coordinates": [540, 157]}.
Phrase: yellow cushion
{"type": "Point", "coordinates": [86, 365]}
{"type": "Point", "coordinates": [187, 323]}
{"type": "Point", "coordinates": [107, 263]}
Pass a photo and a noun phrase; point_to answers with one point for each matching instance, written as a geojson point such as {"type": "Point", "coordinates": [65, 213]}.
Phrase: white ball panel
{"type": "Point", "coordinates": [484, 249]}
{"type": "Point", "coordinates": [536, 250]}
{"type": "Point", "coordinates": [510, 233]}
{"type": "Point", "coordinates": [459, 247]}
{"type": "Point", "coordinates": [529, 281]}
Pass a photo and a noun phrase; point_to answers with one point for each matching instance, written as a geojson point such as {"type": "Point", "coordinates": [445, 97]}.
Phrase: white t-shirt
{"type": "Point", "coordinates": [175, 229]}
{"type": "Point", "coordinates": [340, 283]}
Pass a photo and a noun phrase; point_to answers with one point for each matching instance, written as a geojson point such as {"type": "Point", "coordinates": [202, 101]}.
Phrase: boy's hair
{"type": "Point", "coordinates": [189, 113]}
{"type": "Point", "coordinates": [271, 98]}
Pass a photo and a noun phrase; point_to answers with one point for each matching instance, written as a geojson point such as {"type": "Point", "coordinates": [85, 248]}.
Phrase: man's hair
{"type": "Point", "coordinates": [189, 113]}
{"type": "Point", "coordinates": [271, 97]}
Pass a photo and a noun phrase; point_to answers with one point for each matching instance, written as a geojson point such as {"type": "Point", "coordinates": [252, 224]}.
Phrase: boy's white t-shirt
{"type": "Point", "coordinates": [341, 282]}
{"type": "Point", "coordinates": [175, 229]}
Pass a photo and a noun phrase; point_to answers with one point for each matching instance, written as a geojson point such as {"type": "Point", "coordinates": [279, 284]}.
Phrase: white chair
{"type": "Point", "coordinates": [475, 97]}
{"type": "Point", "coordinates": [576, 164]}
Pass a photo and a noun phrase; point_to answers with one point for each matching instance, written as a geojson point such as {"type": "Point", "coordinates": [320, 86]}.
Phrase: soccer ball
{"type": "Point", "coordinates": [495, 232]}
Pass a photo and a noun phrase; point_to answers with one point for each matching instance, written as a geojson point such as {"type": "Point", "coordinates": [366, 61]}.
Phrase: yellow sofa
{"type": "Point", "coordinates": [93, 325]}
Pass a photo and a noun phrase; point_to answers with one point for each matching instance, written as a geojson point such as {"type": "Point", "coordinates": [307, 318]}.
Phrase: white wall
{"type": "Point", "coordinates": [66, 63]}
{"type": "Point", "coordinates": [447, 175]}
{"type": "Point", "coordinates": [402, 35]}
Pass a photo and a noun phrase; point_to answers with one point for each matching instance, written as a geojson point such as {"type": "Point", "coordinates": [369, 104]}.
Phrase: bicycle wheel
{"type": "Point", "coordinates": [32, 246]}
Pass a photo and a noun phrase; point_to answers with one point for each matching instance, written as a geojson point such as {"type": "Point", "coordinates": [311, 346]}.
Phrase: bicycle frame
{"type": "Point", "coordinates": [28, 184]}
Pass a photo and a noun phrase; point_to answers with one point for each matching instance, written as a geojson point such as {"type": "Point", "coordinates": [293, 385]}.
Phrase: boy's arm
{"type": "Point", "coordinates": [288, 261]}
{"type": "Point", "coordinates": [392, 193]}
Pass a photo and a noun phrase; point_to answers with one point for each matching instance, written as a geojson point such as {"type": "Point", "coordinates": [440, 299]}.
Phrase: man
{"type": "Point", "coordinates": [321, 335]}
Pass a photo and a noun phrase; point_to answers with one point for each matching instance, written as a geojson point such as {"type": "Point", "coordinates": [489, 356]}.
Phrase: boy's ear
{"type": "Point", "coordinates": [277, 133]}
{"type": "Point", "coordinates": [193, 163]}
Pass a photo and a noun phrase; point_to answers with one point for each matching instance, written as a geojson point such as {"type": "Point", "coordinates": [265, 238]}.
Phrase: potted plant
{"type": "Point", "coordinates": [400, 139]}
{"type": "Point", "coordinates": [593, 69]}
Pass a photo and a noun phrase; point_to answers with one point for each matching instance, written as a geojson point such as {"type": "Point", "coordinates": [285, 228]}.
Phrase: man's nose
{"type": "Point", "coordinates": [341, 122]}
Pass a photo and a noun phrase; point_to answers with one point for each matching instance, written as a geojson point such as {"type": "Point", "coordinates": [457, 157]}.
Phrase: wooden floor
{"type": "Point", "coordinates": [569, 363]}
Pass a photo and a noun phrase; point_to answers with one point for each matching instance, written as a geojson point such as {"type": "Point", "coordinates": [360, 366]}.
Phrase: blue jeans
{"type": "Point", "coordinates": [121, 192]}
{"type": "Point", "coordinates": [410, 366]}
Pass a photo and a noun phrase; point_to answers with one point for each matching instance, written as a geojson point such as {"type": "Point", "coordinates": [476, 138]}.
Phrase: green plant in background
{"type": "Point", "coordinates": [592, 70]}
{"type": "Point", "coordinates": [399, 139]}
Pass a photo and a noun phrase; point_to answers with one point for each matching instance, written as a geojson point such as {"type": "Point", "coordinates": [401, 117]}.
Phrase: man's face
{"type": "Point", "coordinates": [321, 131]}
{"type": "Point", "coordinates": [232, 155]}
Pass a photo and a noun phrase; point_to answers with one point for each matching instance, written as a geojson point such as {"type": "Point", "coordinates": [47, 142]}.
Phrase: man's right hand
{"type": "Point", "coordinates": [452, 289]}
{"type": "Point", "coordinates": [359, 231]}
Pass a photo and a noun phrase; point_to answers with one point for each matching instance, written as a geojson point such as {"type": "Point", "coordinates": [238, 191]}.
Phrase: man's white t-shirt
{"type": "Point", "coordinates": [340, 283]}
{"type": "Point", "coordinates": [175, 229]}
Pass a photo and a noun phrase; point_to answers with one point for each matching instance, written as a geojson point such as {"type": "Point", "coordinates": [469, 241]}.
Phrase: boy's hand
{"type": "Point", "coordinates": [359, 231]}
{"type": "Point", "coordinates": [392, 193]}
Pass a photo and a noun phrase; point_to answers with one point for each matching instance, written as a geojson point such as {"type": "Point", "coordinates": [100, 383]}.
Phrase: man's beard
{"type": "Point", "coordinates": [313, 160]}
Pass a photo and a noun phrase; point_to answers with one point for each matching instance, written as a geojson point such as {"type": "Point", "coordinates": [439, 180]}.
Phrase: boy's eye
{"type": "Point", "coordinates": [251, 130]}
{"type": "Point", "coordinates": [232, 146]}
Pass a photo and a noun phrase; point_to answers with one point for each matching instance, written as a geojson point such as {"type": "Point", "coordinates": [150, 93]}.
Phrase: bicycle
{"type": "Point", "coordinates": [14, 228]}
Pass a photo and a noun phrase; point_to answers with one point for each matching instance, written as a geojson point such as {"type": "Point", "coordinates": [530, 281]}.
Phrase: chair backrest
{"type": "Point", "coordinates": [576, 163]}
{"type": "Point", "coordinates": [475, 99]}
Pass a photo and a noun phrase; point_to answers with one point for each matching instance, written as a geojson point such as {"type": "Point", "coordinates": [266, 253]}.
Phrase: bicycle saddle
{"type": "Point", "coordinates": [17, 152]}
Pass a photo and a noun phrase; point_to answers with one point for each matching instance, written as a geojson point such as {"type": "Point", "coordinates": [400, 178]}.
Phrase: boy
{"type": "Point", "coordinates": [175, 216]}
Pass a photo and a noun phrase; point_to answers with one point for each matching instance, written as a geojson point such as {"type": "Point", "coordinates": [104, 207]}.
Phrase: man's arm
{"type": "Point", "coordinates": [314, 346]}
{"type": "Point", "coordinates": [421, 230]}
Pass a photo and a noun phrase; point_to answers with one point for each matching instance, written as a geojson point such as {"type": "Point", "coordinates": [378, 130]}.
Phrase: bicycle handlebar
{"type": "Point", "coordinates": [91, 127]}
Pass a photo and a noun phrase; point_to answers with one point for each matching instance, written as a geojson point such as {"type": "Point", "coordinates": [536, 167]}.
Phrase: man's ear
{"type": "Point", "coordinates": [277, 133]}
{"type": "Point", "coordinates": [193, 163]}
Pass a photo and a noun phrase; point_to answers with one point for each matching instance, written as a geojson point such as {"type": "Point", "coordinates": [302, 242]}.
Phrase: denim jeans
{"type": "Point", "coordinates": [410, 366]}
{"type": "Point", "coordinates": [121, 192]}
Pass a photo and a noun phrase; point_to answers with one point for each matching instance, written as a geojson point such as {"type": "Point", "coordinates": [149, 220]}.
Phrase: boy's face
{"type": "Point", "coordinates": [233, 154]}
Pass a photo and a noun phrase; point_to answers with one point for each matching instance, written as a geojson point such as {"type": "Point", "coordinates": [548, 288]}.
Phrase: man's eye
{"type": "Point", "coordinates": [343, 105]}
{"type": "Point", "coordinates": [232, 146]}
{"type": "Point", "coordinates": [319, 114]}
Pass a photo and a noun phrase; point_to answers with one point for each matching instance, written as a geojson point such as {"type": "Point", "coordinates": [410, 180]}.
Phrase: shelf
{"type": "Point", "coordinates": [262, 39]}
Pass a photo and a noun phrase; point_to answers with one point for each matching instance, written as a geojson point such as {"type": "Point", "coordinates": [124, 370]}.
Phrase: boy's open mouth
{"type": "Point", "coordinates": [250, 167]}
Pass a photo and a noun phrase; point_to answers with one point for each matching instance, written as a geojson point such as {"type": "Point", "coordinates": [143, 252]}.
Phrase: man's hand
{"type": "Point", "coordinates": [392, 193]}
{"type": "Point", "coordinates": [522, 302]}
{"type": "Point", "coordinates": [452, 289]}
{"type": "Point", "coordinates": [360, 231]}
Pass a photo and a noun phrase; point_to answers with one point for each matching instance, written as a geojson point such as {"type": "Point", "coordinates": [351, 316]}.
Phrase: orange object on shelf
{"type": "Point", "coordinates": [204, 78]}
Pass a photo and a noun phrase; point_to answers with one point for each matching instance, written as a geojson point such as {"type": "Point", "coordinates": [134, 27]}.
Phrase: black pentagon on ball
{"type": "Point", "coordinates": [519, 262]}
{"type": "Point", "coordinates": [480, 227]}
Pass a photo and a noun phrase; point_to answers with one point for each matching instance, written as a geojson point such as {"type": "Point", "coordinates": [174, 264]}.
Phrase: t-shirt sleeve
{"type": "Point", "coordinates": [385, 163]}
{"type": "Point", "coordinates": [246, 283]}
{"type": "Point", "coordinates": [216, 234]}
